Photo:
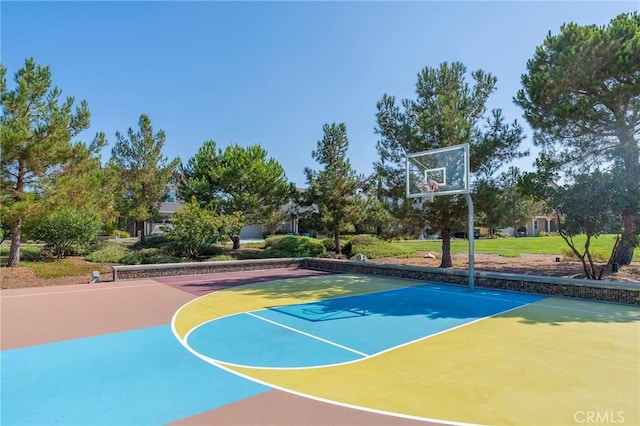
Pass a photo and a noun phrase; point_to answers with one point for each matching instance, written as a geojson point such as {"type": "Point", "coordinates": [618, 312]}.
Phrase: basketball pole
{"type": "Point", "coordinates": [472, 237]}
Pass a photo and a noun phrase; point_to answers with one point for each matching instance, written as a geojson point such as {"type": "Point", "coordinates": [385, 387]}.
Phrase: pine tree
{"type": "Point", "coordinates": [36, 132]}
{"type": "Point", "coordinates": [581, 95]}
{"type": "Point", "coordinates": [236, 181]}
{"type": "Point", "coordinates": [334, 189]}
{"type": "Point", "coordinates": [143, 173]}
{"type": "Point", "coordinates": [447, 111]}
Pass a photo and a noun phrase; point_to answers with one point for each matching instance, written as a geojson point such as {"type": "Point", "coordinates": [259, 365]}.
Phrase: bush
{"type": "Point", "coordinates": [108, 228]}
{"type": "Point", "coordinates": [149, 256]}
{"type": "Point", "coordinates": [248, 255]}
{"type": "Point", "coordinates": [159, 241]}
{"type": "Point", "coordinates": [290, 246]}
{"type": "Point", "coordinates": [330, 244]}
{"type": "Point", "coordinates": [67, 232]}
{"type": "Point", "coordinates": [213, 251]}
{"type": "Point", "coordinates": [274, 239]}
{"type": "Point", "coordinates": [355, 244]}
{"type": "Point", "coordinates": [195, 229]}
{"type": "Point", "coordinates": [108, 253]}
{"type": "Point", "coordinates": [220, 258]}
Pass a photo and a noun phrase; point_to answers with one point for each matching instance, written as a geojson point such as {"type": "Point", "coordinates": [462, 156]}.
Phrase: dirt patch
{"type": "Point", "coordinates": [531, 264]}
{"type": "Point", "coordinates": [23, 276]}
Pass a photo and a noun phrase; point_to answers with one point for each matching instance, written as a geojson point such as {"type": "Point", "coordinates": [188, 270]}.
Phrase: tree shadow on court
{"type": "Point", "coordinates": [201, 287]}
{"type": "Point", "coordinates": [341, 297]}
{"type": "Point", "coordinates": [347, 296]}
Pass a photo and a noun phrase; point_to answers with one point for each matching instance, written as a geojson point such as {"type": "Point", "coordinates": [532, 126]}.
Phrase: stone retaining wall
{"type": "Point", "coordinates": [130, 272]}
{"type": "Point", "coordinates": [607, 291]}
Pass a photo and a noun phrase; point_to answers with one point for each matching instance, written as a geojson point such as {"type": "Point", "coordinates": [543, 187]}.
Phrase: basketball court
{"type": "Point", "coordinates": [304, 347]}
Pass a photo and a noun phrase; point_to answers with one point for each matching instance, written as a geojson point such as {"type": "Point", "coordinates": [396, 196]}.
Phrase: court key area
{"type": "Point", "coordinates": [305, 347]}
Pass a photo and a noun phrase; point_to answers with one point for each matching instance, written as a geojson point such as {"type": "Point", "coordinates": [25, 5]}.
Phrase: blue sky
{"type": "Point", "coordinates": [272, 73]}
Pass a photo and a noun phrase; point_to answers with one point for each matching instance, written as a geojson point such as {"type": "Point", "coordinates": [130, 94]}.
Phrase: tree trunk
{"type": "Point", "coordinates": [16, 232]}
{"type": "Point", "coordinates": [140, 228]}
{"type": "Point", "coordinates": [446, 262]}
{"type": "Point", "coordinates": [623, 255]}
{"type": "Point", "coordinates": [336, 239]}
{"type": "Point", "coordinates": [236, 241]}
{"type": "Point", "coordinates": [14, 251]}
{"type": "Point", "coordinates": [630, 154]}
{"type": "Point", "coordinates": [623, 250]}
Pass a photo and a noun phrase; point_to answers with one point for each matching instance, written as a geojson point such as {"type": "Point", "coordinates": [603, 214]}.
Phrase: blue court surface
{"type": "Point", "coordinates": [132, 378]}
{"type": "Point", "coordinates": [347, 328]}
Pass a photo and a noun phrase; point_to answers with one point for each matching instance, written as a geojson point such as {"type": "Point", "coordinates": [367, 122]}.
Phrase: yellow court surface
{"type": "Point", "coordinates": [548, 361]}
{"type": "Point", "coordinates": [284, 292]}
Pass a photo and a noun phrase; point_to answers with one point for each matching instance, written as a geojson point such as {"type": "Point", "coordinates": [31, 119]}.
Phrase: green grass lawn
{"type": "Point", "coordinates": [508, 247]}
{"type": "Point", "coordinates": [513, 247]}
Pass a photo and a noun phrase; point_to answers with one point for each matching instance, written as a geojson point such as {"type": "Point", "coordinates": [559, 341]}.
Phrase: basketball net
{"type": "Point", "coordinates": [427, 187]}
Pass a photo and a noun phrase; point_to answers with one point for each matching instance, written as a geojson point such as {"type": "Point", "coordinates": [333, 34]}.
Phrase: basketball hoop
{"type": "Point", "coordinates": [438, 172]}
{"type": "Point", "coordinates": [427, 187]}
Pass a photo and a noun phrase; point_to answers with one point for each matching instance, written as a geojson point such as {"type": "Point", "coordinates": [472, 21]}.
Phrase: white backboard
{"type": "Point", "coordinates": [442, 171]}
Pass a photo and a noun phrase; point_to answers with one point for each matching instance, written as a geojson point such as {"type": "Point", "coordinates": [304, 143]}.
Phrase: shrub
{"type": "Point", "coordinates": [109, 228]}
{"type": "Point", "coordinates": [254, 244]}
{"type": "Point", "coordinates": [66, 232]}
{"type": "Point", "coordinates": [159, 241]}
{"type": "Point", "coordinates": [108, 253]}
{"type": "Point", "coordinates": [149, 256]}
{"type": "Point", "coordinates": [220, 258]}
{"type": "Point", "coordinates": [195, 229]}
{"type": "Point", "coordinates": [247, 255]}
{"type": "Point", "coordinates": [274, 239]}
{"type": "Point", "coordinates": [213, 251]}
{"type": "Point", "coordinates": [375, 248]}
{"type": "Point", "coordinates": [355, 244]}
{"type": "Point", "coordinates": [330, 244]}
{"type": "Point", "coordinates": [291, 246]}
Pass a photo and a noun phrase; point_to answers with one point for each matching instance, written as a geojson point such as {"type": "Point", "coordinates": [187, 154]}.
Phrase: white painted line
{"type": "Point", "coordinates": [448, 330]}
{"type": "Point", "coordinates": [308, 335]}
{"type": "Point", "coordinates": [84, 290]}
{"type": "Point", "coordinates": [224, 367]}
{"type": "Point", "coordinates": [478, 296]}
